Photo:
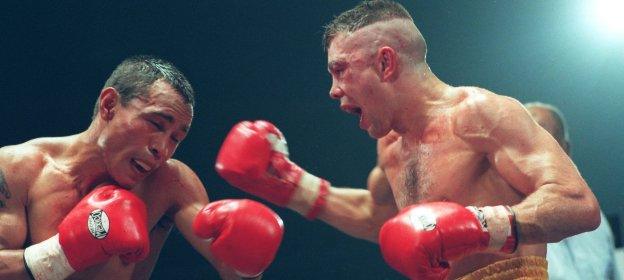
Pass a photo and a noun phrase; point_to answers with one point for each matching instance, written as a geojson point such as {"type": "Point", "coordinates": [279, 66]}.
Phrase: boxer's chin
{"type": "Point", "coordinates": [125, 183]}
{"type": "Point", "coordinates": [376, 132]}
{"type": "Point", "coordinates": [367, 126]}
{"type": "Point", "coordinates": [376, 135]}
{"type": "Point", "coordinates": [125, 180]}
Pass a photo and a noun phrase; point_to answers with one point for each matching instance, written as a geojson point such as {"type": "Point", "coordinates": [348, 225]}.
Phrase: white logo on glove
{"type": "Point", "coordinates": [478, 212]}
{"type": "Point", "coordinates": [98, 223]}
{"type": "Point", "coordinates": [423, 221]}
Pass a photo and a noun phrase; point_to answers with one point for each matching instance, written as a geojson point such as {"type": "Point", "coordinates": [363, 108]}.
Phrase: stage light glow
{"type": "Point", "coordinates": [609, 17]}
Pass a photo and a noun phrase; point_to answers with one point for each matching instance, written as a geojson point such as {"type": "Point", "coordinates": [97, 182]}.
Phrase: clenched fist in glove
{"type": "Point", "coordinates": [254, 158]}
{"type": "Point", "coordinates": [109, 221]}
{"type": "Point", "coordinates": [245, 234]}
{"type": "Point", "coordinates": [421, 240]}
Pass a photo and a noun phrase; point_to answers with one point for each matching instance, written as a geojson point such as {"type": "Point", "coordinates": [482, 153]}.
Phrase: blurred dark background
{"type": "Point", "coordinates": [264, 60]}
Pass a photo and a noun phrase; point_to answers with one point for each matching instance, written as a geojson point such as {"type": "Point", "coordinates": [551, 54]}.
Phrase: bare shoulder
{"type": "Point", "coordinates": [175, 170]}
{"type": "Point", "coordinates": [178, 181]}
{"type": "Point", "coordinates": [482, 114]}
{"type": "Point", "coordinates": [21, 163]}
{"type": "Point", "coordinates": [34, 151]}
{"type": "Point", "coordinates": [29, 152]}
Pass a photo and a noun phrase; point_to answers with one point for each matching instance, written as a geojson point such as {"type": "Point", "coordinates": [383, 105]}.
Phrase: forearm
{"type": "Point", "coordinates": [12, 265]}
{"type": "Point", "coordinates": [352, 211]}
{"type": "Point", "coordinates": [554, 212]}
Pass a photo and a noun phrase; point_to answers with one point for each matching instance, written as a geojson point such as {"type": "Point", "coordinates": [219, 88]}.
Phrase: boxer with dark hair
{"type": "Point", "coordinates": [100, 204]}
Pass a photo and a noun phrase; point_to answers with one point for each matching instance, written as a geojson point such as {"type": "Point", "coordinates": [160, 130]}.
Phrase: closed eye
{"type": "Point", "coordinates": [337, 72]}
{"type": "Point", "coordinates": [337, 68]}
{"type": "Point", "coordinates": [157, 125]}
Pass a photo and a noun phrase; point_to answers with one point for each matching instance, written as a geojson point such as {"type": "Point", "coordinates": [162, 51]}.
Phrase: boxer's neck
{"type": "Point", "coordinates": [422, 96]}
{"type": "Point", "coordinates": [83, 162]}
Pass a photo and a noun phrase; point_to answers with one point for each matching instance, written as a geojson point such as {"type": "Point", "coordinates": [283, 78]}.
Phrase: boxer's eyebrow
{"type": "Point", "coordinates": [170, 119]}
{"type": "Point", "coordinates": [167, 117]}
{"type": "Point", "coordinates": [332, 65]}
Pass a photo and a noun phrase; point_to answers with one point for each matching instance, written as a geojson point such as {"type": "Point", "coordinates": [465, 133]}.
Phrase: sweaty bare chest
{"type": "Point", "coordinates": [52, 196]}
{"type": "Point", "coordinates": [429, 171]}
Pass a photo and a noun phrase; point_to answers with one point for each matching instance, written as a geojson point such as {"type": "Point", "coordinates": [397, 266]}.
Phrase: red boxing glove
{"type": "Point", "coordinates": [245, 234]}
{"type": "Point", "coordinates": [421, 240]}
{"type": "Point", "coordinates": [108, 221]}
{"type": "Point", "coordinates": [254, 158]}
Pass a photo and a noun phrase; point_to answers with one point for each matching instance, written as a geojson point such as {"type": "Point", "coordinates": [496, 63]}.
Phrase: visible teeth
{"type": "Point", "coordinates": [143, 165]}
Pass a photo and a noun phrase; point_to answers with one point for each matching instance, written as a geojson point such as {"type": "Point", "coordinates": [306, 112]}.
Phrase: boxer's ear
{"type": "Point", "coordinates": [109, 98]}
{"type": "Point", "coordinates": [387, 61]}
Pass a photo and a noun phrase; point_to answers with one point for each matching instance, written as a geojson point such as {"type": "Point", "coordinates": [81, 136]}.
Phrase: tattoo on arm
{"type": "Point", "coordinates": [4, 190]}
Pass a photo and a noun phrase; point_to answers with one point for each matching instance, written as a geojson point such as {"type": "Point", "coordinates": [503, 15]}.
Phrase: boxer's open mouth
{"type": "Point", "coordinates": [357, 111]}
{"type": "Point", "coordinates": [141, 166]}
{"type": "Point", "coordinates": [351, 109]}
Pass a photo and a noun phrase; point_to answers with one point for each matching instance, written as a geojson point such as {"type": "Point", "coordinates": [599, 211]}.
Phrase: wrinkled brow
{"type": "Point", "coordinates": [170, 119]}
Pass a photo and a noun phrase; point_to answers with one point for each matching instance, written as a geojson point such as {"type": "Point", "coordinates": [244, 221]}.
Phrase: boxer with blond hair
{"type": "Point", "coordinates": [466, 185]}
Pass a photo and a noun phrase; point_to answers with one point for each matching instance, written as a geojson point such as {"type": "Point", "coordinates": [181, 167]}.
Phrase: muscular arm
{"type": "Point", "coordinates": [190, 198]}
{"type": "Point", "coordinates": [359, 212]}
{"type": "Point", "coordinates": [13, 224]}
{"type": "Point", "coordinates": [559, 202]}
{"type": "Point", "coordinates": [254, 158]}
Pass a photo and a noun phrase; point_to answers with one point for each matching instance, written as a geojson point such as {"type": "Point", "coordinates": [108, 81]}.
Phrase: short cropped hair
{"type": "Point", "coordinates": [364, 14]}
{"type": "Point", "coordinates": [133, 77]}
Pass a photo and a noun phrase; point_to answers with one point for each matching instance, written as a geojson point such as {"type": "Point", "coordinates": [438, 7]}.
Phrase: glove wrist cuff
{"type": "Point", "coordinates": [47, 261]}
{"type": "Point", "coordinates": [320, 201]}
{"type": "Point", "coordinates": [499, 223]}
{"type": "Point", "coordinates": [309, 196]}
{"type": "Point", "coordinates": [511, 243]}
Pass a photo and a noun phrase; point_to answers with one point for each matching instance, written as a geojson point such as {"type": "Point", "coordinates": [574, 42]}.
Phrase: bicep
{"type": "Point", "coordinates": [528, 157]}
{"type": "Point", "coordinates": [190, 199]}
{"type": "Point", "coordinates": [13, 228]}
{"type": "Point", "coordinates": [383, 205]}
{"type": "Point", "coordinates": [183, 220]}
{"type": "Point", "coordinates": [532, 162]}
{"type": "Point", "coordinates": [13, 222]}
{"type": "Point", "coordinates": [522, 152]}
{"type": "Point", "coordinates": [379, 187]}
